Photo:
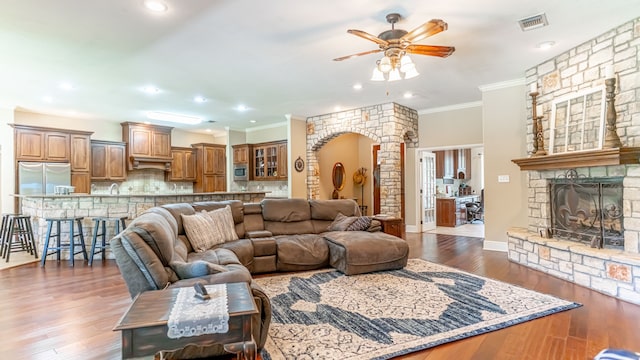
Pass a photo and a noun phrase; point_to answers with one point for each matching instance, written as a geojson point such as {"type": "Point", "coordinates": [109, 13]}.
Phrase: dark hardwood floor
{"type": "Point", "coordinates": [67, 313]}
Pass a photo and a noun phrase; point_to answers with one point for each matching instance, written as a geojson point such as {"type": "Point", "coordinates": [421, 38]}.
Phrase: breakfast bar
{"type": "Point", "coordinates": [89, 206]}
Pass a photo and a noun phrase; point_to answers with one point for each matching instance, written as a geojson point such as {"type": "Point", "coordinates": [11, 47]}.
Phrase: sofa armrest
{"type": "Point", "coordinates": [258, 234]}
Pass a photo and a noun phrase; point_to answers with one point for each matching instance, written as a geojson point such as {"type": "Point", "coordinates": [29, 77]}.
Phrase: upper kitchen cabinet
{"type": "Point", "coordinates": [464, 164]}
{"type": "Point", "coordinates": [183, 167]}
{"type": "Point", "coordinates": [148, 146]}
{"type": "Point", "coordinates": [108, 160]}
{"type": "Point", "coordinates": [446, 164]}
{"type": "Point", "coordinates": [211, 167]}
{"type": "Point", "coordinates": [80, 153]}
{"type": "Point", "coordinates": [41, 144]}
{"type": "Point", "coordinates": [270, 161]}
{"type": "Point", "coordinates": [241, 153]}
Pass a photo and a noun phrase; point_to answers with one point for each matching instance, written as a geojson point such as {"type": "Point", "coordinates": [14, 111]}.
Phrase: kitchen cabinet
{"type": "Point", "coordinates": [148, 146]}
{"type": "Point", "coordinates": [270, 161]}
{"type": "Point", "coordinates": [464, 164]}
{"type": "Point", "coordinates": [211, 167]}
{"type": "Point", "coordinates": [41, 144]}
{"type": "Point", "coordinates": [183, 165]}
{"type": "Point", "coordinates": [108, 160]}
{"type": "Point", "coordinates": [446, 164]}
{"type": "Point", "coordinates": [81, 162]}
{"type": "Point", "coordinates": [241, 153]}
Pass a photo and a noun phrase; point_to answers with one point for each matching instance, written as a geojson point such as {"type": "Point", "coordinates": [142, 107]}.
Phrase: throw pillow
{"type": "Point", "coordinates": [361, 223]}
{"type": "Point", "coordinates": [223, 220]}
{"type": "Point", "coordinates": [341, 222]}
{"type": "Point", "coordinates": [201, 231]}
{"type": "Point", "coordinates": [197, 268]}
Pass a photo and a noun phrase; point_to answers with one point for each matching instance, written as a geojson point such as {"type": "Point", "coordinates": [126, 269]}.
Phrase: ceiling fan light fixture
{"type": "Point", "coordinates": [377, 75]}
{"type": "Point", "coordinates": [385, 64]}
{"type": "Point", "coordinates": [394, 75]}
{"type": "Point", "coordinates": [411, 73]}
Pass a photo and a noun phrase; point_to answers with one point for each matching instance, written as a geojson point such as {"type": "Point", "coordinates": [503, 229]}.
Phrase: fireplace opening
{"type": "Point", "coordinates": [588, 210]}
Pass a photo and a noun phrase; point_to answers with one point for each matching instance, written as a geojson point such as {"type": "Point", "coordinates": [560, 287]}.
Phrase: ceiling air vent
{"type": "Point", "coordinates": [533, 22]}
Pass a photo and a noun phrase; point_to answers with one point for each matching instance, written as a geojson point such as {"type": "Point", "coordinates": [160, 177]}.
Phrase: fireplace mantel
{"type": "Point", "coordinates": [616, 156]}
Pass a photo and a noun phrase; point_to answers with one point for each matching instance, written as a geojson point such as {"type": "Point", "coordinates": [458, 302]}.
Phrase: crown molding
{"type": "Point", "coordinates": [502, 85]}
{"type": "Point", "coordinates": [451, 107]}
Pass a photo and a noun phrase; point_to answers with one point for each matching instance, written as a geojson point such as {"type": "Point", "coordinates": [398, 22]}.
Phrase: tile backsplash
{"type": "Point", "coordinates": [147, 181]}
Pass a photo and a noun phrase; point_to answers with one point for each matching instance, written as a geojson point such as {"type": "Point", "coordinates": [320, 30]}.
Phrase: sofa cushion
{"type": "Point", "coordinates": [302, 252]}
{"type": "Point", "coordinates": [202, 232]}
{"type": "Point", "coordinates": [242, 250]}
{"type": "Point", "coordinates": [285, 210]}
{"type": "Point", "coordinates": [237, 210]}
{"type": "Point", "coordinates": [358, 252]}
{"type": "Point", "coordinates": [187, 270]}
{"type": "Point", "coordinates": [341, 222]}
{"type": "Point", "coordinates": [176, 210]}
{"type": "Point", "coordinates": [329, 209]}
{"type": "Point", "coordinates": [223, 220]}
{"type": "Point", "coordinates": [361, 223]}
{"type": "Point", "coordinates": [265, 246]}
{"type": "Point", "coordinates": [157, 232]}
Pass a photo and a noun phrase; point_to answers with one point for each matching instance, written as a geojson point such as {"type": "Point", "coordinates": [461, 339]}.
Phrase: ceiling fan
{"type": "Point", "coordinates": [396, 42]}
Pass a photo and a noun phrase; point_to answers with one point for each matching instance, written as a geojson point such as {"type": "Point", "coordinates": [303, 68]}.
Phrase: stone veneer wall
{"type": "Point", "coordinates": [613, 272]}
{"type": "Point", "coordinates": [583, 67]}
{"type": "Point", "coordinates": [387, 124]}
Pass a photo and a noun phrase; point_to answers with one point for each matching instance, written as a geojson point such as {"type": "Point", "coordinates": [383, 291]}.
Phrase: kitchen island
{"type": "Point", "coordinates": [40, 207]}
{"type": "Point", "coordinates": [451, 211]}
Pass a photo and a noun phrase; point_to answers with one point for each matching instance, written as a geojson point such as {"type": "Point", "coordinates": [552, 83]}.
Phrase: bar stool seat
{"type": "Point", "coordinates": [100, 230]}
{"type": "Point", "coordinates": [16, 234]}
{"type": "Point", "coordinates": [75, 231]}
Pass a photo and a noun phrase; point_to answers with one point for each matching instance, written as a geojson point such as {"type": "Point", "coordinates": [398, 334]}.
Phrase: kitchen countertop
{"type": "Point", "coordinates": [76, 195]}
{"type": "Point", "coordinates": [456, 197]}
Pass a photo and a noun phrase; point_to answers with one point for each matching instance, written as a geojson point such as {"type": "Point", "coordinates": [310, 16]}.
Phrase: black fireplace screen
{"type": "Point", "coordinates": [588, 210]}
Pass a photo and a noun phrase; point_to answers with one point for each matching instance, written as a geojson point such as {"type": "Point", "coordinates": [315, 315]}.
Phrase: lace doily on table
{"type": "Point", "coordinates": [191, 316]}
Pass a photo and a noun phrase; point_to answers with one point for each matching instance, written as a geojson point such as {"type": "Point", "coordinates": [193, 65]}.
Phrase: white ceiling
{"type": "Point", "coordinates": [273, 56]}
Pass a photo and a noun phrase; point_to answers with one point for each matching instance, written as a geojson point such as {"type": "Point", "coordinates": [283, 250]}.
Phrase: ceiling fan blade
{"type": "Point", "coordinates": [358, 54]}
{"type": "Point", "coordinates": [366, 35]}
{"type": "Point", "coordinates": [427, 29]}
{"type": "Point", "coordinates": [431, 50]}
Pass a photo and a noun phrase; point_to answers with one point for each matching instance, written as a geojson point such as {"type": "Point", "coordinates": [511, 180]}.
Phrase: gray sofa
{"type": "Point", "coordinates": [154, 253]}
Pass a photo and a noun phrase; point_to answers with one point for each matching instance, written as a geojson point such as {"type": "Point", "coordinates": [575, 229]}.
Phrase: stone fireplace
{"type": "Point", "coordinates": [587, 210]}
{"type": "Point", "coordinates": [549, 243]}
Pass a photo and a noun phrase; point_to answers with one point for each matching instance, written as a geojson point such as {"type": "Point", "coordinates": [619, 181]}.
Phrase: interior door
{"type": "Point", "coordinates": [428, 190]}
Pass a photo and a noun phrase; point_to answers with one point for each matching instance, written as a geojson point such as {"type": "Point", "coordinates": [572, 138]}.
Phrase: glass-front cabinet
{"type": "Point", "coordinates": [268, 163]}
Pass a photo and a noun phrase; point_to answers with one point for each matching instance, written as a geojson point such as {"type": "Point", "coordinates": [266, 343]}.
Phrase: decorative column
{"type": "Point", "coordinates": [611, 138]}
{"type": "Point", "coordinates": [538, 134]}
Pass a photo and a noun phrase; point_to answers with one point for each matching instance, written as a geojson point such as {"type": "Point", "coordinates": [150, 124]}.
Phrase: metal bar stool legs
{"type": "Point", "coordinates": [101, 225]}
{"type": "Point", "coordinates": [75, 231]}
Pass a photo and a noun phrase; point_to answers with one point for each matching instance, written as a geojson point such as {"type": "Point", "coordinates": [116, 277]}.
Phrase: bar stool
{"type": "Point", "coordinates": [17, 227]}
{"type": "Point", "coordinates": [101, 224]}
{"type": "Point", "coordinates": [75, 231]}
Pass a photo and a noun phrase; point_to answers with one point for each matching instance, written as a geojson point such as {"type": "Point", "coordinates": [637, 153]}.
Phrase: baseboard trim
{"type": "Point", "coordinates": [495, 246]}
{"type": "Point", "coordinates": [411, 228]}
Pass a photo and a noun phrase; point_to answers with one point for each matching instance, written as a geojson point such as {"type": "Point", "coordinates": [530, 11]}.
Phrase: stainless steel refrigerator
{"type": "Point", "coordinates": [41, 178]}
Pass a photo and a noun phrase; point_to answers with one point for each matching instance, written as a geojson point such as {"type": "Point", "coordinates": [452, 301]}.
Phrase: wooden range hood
{"type": "Point", "coordinates": [141, 162]}
{"type": "Point", "coordinates": [603, 157]}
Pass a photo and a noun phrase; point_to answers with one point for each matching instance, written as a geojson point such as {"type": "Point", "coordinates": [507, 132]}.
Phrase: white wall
{"type": "Point", "coordinates": [450, 126]}
{"type": "Point", "coordinates": [274, 132]}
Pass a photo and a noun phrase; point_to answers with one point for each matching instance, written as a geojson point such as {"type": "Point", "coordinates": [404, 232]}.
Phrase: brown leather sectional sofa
{"type": "Point", "coordinates": [153, 252]}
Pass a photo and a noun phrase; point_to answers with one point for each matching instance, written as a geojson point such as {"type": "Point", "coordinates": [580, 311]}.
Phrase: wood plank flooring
{"type": "Point", "coordinates": [58, 312]}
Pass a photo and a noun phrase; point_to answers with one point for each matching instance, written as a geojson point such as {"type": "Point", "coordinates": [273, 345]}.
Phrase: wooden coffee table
{"type": "Point", "coordinates": [144, 324]}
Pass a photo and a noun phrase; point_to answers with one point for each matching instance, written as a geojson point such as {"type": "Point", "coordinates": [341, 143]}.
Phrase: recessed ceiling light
{"type": "Point", "coordinates": [208, 130]}
{"type": "Point", "coordinates": [66, 86]}
{"type": "Point", "coordinates": [150, 89]}
{"type": "Point", "coordinates": [337, 108]}
{"type": "Point", "coordinates": [147, 122]}
{"type": "Point", "coordinates": [199, 99]}
{"type": "Point", "coordinates": [47, 99]}
{"type": "Point", "coordinates": [156, 6]}
{"type": "Point", "coordinates": [546, 45]}
{"type": "Point", "coordinates": [177, 118]}
{"type": "Point", "coordinates": [252, 121]}
{"type": "Point", "coordinates": [242, 107]}
{"type": "Point", "coordinates": [357, 86]}
{"type": "Point", "coordinates": [408, 95]}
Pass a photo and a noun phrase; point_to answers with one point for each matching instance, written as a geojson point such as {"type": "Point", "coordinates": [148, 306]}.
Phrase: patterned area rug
{"type": "Point", "coordinates": [327, 315]}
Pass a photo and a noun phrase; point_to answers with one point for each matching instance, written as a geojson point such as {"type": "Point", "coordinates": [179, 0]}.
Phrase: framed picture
{"type": "Point", "coordinates": [298, 164]}
{"type": "Point", "coordinates": [577, 121]}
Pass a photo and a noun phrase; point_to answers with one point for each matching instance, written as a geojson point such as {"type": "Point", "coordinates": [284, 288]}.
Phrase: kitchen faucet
{"type": "Point", "coordinates": [112, 187]}
{"type": "Point", "coordinates": [174, 188]}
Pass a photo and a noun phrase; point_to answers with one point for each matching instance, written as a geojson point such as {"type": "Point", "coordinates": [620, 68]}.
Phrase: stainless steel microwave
{"type": "Point", "coordinates": [240, 172]}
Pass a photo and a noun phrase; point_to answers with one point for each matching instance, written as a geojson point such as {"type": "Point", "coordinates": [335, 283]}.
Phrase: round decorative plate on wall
{"type": "Point", "coordinates": [299, 164]}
